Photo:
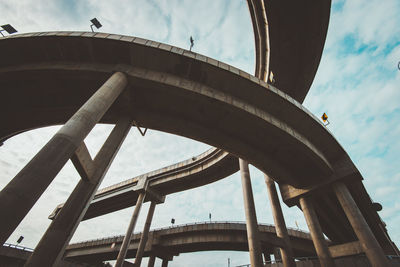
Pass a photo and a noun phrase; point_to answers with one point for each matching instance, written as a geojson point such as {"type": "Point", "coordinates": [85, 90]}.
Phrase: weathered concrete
{"type": "Point", "coordinates": [52, 245]}
{"type": "Point", "coordinates": [251, 217]}
{"type": "Point", "coordinates": [280, 225]}
{"type": "Point", "coordinates": [319, 241]}
{"type": "Point", "coordinates": [22, 192]}
{"type": "Point", "coordinates": [129, 231]}
{"type": "Point", "coordinates": [367, 239]}
{"type": "Point", "coordinates": [145, 234]}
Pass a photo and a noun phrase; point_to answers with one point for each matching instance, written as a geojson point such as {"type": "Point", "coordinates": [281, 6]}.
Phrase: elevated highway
{"type": "Point", "coordinates": [172, 241]}
{"type": "Point", "coordinates": [185, 93]}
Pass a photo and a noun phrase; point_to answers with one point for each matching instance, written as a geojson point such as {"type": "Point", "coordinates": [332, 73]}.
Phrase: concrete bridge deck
{"type": "Point", "coordinates": [171, 241]}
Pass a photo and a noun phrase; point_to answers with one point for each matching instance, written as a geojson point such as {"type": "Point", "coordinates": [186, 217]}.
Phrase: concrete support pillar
{"type": "Point", "coordinates": [267, 256]}
{"type": "Point", "coordinates": [52, 245]}
{"type": "Point", "coordinates": [251, 217]}
{"type": "Point", "coordinates": [164, 263]}
{"type": "Point", "coordinates": [129, 232]}
{"type": "Point", "coordinates": [152, 261]}
{"type": "Point", "coordinates": [280, 226]}
{"type": "Point", "coordinates": [22, 192]}
{"type": "Point", "coordinates": [361, 228]}
{"type": "Point", "coordinates": [317, 236]}
{"type": "Point", "coordinates": [277, 254]}
{"type": "Point", "coordinates": [145, 234]}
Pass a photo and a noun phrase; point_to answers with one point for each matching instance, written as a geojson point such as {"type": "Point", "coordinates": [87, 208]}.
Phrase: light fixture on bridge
{"type": "Point", "coordinates": [324, 118]}
{"type": "Point", "coordinates": [95, 23]}
{"type": "Point", "coordinates": [8, 28]}
{"type": "Point", "coordinates": [172, 221]}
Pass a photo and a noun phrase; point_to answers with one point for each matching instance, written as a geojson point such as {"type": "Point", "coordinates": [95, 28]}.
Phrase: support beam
{"type": "Point", "coordinates": [145, 234]}
{"type": "Point", "coordinates": [251, 217]}
{"type": "Point", "coordinates": [316, 233]}
{"type": "Point", "coordinates": [347, 249]}
{"type": "Point", "coordinates": [364, 234]}
{"type": "Point", "coordinates": [277, 254]}
{"type": "Point", "coordinates": [52, 245]}
{"type": "Point", "coordinates": [83, 162]}
{"type": "Point", "coordinates": [164, 263]}
{"type": "Point", "coordinates": [129, 232]}
{"type": "Point", "coordinates": [22, 192]}
{"type": "Point", "coordinates": [267, 256]}
{"type": "Point", "coordinates": [280, 226]}
{"type": "Point", "coordinates": [152, 261]}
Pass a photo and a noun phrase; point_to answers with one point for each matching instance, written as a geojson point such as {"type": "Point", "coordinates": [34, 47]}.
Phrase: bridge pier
{"type": "Point", "coordinates": [280, 226]}
{"type": "Point", "coordinates": [251, 217]}
{"type": "Point", "coordinates": [152, 260]}
{"type": "Point", "coordinates": [52, 245]}
{"type": "Point", "coordinates": [165, 263]}
{"type": "Point", "coordinates": [22, 192]}
{"type": "Point", "coordinates": [129, 231]}
{"type": "Point", "coordinates": [145, 234]}
{"type": "Point", "coordinates": [369, 244]}
{"type": "Point", "coordinates": [317, 236]}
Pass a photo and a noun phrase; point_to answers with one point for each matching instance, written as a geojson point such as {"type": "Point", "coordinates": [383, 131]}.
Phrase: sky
{"type": "Point", "coordinates": [357, 85]}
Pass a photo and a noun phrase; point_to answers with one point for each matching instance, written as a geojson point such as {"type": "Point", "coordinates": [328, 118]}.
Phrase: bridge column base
{"type": "Point", "coordinates": [251, 217]}
{"type": "Point", "coordinates": [129, 232]}
{"type": "Point", "coordinates": [316, 233]}
{"type": "Point", "coordinates": [280, 225]}
{"type": "Point", "coordinates": [361, 228]}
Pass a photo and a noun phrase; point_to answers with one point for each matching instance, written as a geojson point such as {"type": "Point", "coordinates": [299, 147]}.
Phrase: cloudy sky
{"type": "Point", "coordinates": [357, 85]}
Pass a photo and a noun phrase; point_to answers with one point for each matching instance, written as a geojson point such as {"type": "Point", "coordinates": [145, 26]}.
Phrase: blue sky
{"type": "Point", "coordinates": [357, 85]}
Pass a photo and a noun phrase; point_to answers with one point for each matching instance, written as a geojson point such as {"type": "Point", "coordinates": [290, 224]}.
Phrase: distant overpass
{"type": "Point", "coordinates": [172, 241]}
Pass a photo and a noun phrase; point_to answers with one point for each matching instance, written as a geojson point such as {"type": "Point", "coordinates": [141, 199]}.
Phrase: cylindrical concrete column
{"type": "Point", "coordinates": [164, 263]}
{"type": "Point", "coordinates": [267, 257]}
{"type": "Point", "coordinates": [52, 245]}
{"type": "Point", "coordinates": [280, 226]}
{"type": "Point", "coordinates": [145, 234]}
{"type": "Point", "coordinates": [361, 228]}
{"type": "Point", "coordinates": [129, 232]}
{"type": "Point", "coordinates": [317, 236]}
{"type": "Point", "coordinates": [277, 254]}
{"type": "Point", "coordinates": [152, 261]}
{"type": "Point", "coordinates": [251, 217]}
{"type": "Point", "coordinates": [22, 192]}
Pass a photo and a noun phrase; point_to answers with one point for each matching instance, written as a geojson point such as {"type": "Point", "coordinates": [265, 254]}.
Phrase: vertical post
{"type": "Point", "coordinates": [22, 192]}
{"type": "Point", "coordinates": [152, 261]}
{"type": "Point", "coordinates": [251, 217]}
{"type": "Point", "coordinates": [267, 257]}
{"type": "Point", "coordinates": [131, 227]}
{"type": "Point", "coordinates": [277, 255]}
{"type": "Point", "coordinates": [145, 234]}
{"type": "Point", "coordinates": [280, 226]}
{"type": "Point", "coordinates": [361, 228]}
{"type": "Point", "coordinates": [52, 245]}
{"type": "Point", "coordinates": [164, 263]}
{"type": "Point", "coordinates": [316, 233]}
